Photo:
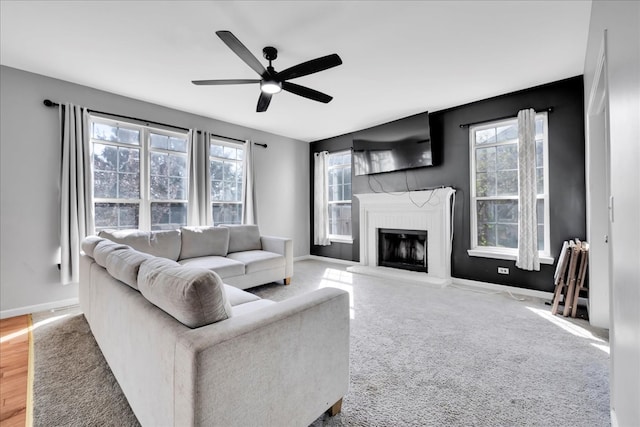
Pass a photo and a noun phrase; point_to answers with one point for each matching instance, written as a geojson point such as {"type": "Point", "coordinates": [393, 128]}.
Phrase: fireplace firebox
{"type": "Point", "coordinates": [405, 249]}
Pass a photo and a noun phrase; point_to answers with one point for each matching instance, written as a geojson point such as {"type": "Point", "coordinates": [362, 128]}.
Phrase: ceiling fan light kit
{"type": "Point", "coordinates": [271, 81]}
{"type": "Point", "coordinates": [270, 86]}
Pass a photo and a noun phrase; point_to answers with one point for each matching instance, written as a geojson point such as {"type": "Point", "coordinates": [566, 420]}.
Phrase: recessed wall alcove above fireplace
{"type": "Point", "coordinates": [416, 212]}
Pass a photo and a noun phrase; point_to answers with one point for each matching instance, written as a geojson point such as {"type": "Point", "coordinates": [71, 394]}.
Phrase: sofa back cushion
{"type": "Point", "coordinates": [89, 244]}
{"type": "Point", "coordinates": [204, 241]}
{"type": "Point", "coordinates": [104, 248]}
{"type": "Point", "coordinates": [165, 243]}
{"type": "Point", "coordinates": [193, 296]}
{"type": "Point", "coordinates": [124, 265]}
{"type": "Point", "coordinates": [243, 238]}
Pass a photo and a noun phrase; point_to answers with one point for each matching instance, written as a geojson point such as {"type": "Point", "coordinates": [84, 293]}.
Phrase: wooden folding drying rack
{"type": "Point", "coordinates": [570, 275]}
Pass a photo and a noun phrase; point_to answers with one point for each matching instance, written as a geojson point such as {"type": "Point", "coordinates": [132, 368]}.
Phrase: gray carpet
{"type": "Point", "coordinates": [420, 356]}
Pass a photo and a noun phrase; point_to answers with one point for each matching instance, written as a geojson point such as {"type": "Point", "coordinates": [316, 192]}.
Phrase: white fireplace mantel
{"type": "Point", "coordinates": [414, 210]}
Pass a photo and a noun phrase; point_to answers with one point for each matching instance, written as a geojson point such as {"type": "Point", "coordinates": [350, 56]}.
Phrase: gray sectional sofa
{"type": "Point", "coordinates": [189, 350]}
{"type": "Point", "coordinates": [238, 253]}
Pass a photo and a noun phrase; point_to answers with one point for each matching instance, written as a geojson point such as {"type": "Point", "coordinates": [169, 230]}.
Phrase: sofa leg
{"type": "Point", "coordinates": [287, 281]}
{"type": "Point", "coordinates": [335, 408]}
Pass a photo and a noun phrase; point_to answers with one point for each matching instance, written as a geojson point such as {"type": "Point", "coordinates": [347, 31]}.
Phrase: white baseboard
{"type": "Point", "coordinates": [454, 280]}
{"type": "Point", "coordinates": [38, 307]}
{"type": "Point", "coordinates": [325, 259]}
{"type": "Point", "coordinates": [502, 288]}
{"type": "Point", "coordinates": [614, 418]}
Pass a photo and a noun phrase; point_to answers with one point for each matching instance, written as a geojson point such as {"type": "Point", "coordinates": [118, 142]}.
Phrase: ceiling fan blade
{"type": "Point", "coordinates": [263, 102]}
{"type": "Point", "coordinates": [241, 50]}
{"type": "Point", "coordinates": [224, 82]}
{"type": "Point", "coordinates": [310, 67]}
{"type": "Point", "coordinates": [306, 92]}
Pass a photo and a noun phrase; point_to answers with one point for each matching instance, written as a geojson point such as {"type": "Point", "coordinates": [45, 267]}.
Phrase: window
{"type": "Point", "coordinates": [225, 160]}
{"type": "Point", "coordinates": [140, 177]}
{"type": "Point", "coordinates": [339, 185]}
{"type": "Point", "coordinates": [494, 189]}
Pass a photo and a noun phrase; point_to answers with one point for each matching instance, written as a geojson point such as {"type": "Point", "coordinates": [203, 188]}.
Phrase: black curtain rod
{"type": "Point", "coordinates": [465, 125]}
{"type": "Point", "coordinates": [50, 103]}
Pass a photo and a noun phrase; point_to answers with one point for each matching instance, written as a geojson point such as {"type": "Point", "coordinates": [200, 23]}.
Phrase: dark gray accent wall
{"type": "Point", "coordinates": [566, 177]}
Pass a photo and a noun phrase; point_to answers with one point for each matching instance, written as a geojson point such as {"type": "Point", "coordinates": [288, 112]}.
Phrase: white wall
{"type": "Point", "coordinates": [30, 162]}
{"type": "Point", "coordinates": [621, 19]}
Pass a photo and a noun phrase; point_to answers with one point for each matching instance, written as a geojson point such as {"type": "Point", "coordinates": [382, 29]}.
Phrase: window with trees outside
{"type": "Point", "coordinates": [494, 188]}
{"type": "Point", "coordinates": [339, 185]}
{"type": "Point", "coordinates": [226, 168]}
{"type": "Point", "coordinates": [140, 176]}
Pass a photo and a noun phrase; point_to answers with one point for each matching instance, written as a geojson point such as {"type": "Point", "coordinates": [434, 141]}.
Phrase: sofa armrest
{"type": "Point", "coordinates": [282, 246]}
{"type": "Point", "coordinates": [286, 363]}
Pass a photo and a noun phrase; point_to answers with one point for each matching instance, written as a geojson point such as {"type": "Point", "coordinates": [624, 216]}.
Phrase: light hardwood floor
{"type": "Point", "coordinates": [14, 370]}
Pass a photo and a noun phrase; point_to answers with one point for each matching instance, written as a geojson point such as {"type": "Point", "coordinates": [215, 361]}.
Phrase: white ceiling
{"type": "Point", "coordinates": [400, 58]}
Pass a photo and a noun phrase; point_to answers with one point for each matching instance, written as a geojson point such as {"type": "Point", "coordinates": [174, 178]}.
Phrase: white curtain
{"type": "Point", "coordinates": [199, 201]}
{"type": "Point", "coordinates": [76, 189]}
{"type": "Point", "coordinates": [248, 197]}
{"type": "Point", "coordinates": [527, 216]}
{"type": "Point", "coordinates": [320, 200]}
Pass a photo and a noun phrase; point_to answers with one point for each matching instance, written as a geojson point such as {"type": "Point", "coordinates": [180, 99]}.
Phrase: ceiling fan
{"type": "Point", "coordinates": [271, 81]}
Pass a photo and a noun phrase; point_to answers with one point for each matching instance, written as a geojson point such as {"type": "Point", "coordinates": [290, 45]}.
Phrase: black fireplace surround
{"type": "Point", "coordinates": [405, 249]}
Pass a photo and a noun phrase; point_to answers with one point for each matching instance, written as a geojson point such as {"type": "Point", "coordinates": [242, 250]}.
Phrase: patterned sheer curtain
{"type": "Point", "coordinates": [527, 215]}
{"type": "Point", "coordinates": [199, 201]}
{"type": "Point", "coordinates": [248, 197]}
{"type": "Point", "coordinates": [320, 200]}
{"type": "Point", "coordinates": [76, 189]}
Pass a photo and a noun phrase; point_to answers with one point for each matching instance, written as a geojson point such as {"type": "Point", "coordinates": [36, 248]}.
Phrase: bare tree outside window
{"type": "Point", "coordinates": [226, 171]}
{"type": "Point", "coordinates": [123, 197]}
{"type": "Point", "coordinates": [494, 173]}
{"type": "Point", "coordinates": [339, 184]}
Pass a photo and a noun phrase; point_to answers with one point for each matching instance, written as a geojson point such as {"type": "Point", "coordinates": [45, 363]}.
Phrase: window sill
{"type": "Point", "coordinates": [337, 239]}
{"type": "Point", "coordinates": [505, 254]}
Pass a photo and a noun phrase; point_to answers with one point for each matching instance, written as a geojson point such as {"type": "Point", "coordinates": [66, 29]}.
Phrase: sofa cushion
{"type": "Point", "coordinates": [225, 267]}
{"type": "Point", "coordinates": [243, 238]}
{"type": "Point", "coordinates": [238, 296]}
{"type": "Point", "coordinates": [204, 241]}
{"type": "Point", "coordinates": [256, 261]}
{"type": "Point", "coordinates": [251, 306]}
{"type": "Point", "coordinates": [104, 248]}
{"type": "Point", "coordinates": [89, 244]}
{"type": "Point", "coordinates": [153, 264]}
{"type": "Point", "coordinates": [165, 243]}
{"type": "Point", "coordinates": [124, 265]}
{"type": "Point", "coordinates": [193, 296]}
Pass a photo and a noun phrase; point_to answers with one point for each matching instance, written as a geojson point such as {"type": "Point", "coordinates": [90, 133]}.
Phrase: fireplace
{"type": "Point", "coordinates": [405, 249]}
{"type": "Point", "coordinates": [428, 210]}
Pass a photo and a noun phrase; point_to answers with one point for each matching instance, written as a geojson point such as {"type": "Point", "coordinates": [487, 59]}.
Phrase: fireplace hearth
{"type": "Point", "coordinates": [405, 249]}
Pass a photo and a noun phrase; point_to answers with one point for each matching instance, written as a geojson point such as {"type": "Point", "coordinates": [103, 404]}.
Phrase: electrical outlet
{"type": "Point", "coordinates": [503, 270]}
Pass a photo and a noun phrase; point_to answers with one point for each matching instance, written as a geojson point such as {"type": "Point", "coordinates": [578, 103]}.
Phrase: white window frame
{"type": "Point", "coordinates": [145, 201]}
{"type": "Point", "coordinates": [501, 252]}
{"type": "Point", "coordinates": [239, 146]}
{"type": "Point", "coordinates": [339, 238]}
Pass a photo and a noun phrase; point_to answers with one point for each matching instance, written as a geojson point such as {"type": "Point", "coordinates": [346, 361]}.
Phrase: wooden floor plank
{"type": "Point", "coordinates": [14, 370]}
